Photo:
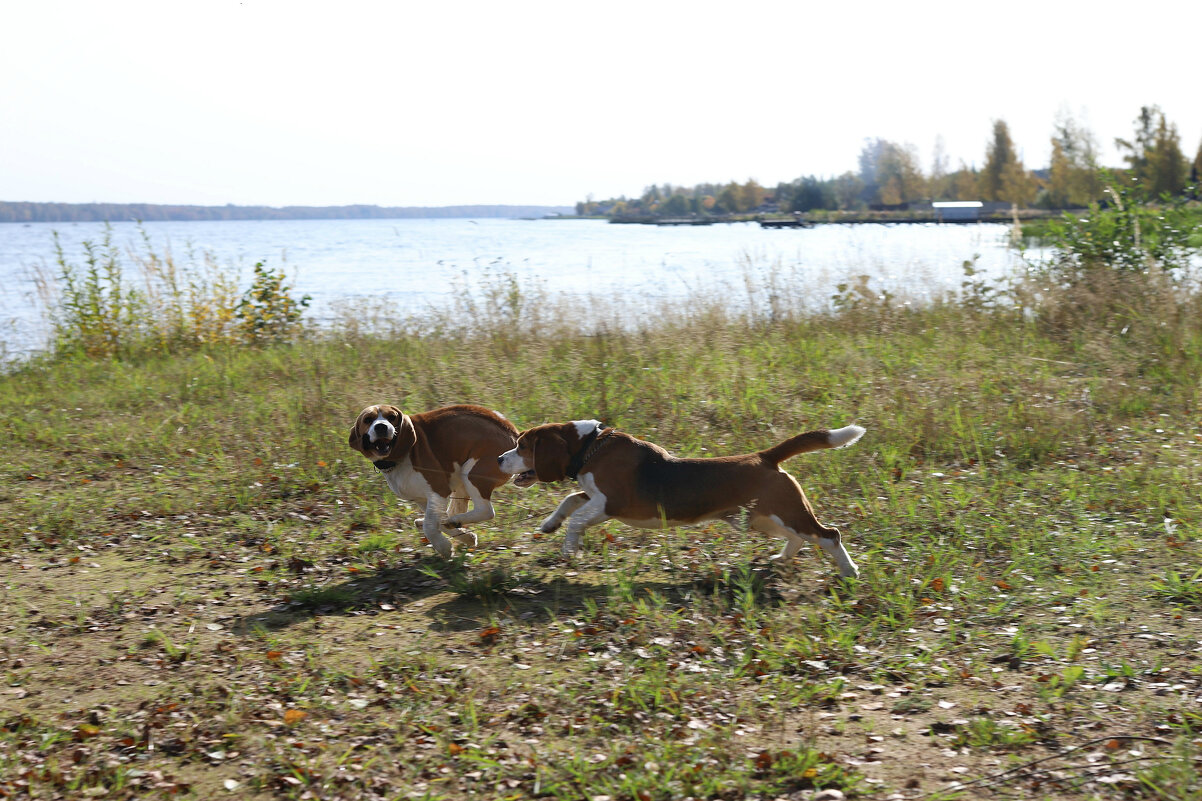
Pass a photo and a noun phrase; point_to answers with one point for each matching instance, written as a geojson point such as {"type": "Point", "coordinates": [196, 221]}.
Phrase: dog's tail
{"type": "Point", "coordinates": [812, 441]}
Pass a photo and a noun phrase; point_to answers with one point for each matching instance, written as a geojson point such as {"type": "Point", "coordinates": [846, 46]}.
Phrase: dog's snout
{"type": "Point", "coordinates": [501, 459]}
{"type": "Point", "coordinates": [380, 428]}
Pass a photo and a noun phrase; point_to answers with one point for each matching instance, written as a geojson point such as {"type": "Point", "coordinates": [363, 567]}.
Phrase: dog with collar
{"type": "Point", "coordinates": [444, 460]}
{"type": "Point", "coordinates": [642, 485]}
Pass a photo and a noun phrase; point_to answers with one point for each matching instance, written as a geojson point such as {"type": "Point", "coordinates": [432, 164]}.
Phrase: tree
{"type": "Point", "coordinates": [901, 179]}
{"type": "Point", "coordinates": [848, 190]}
{"type": "Point", "coordinates": [808, 193]}
{"type": "Point", "coordinates": [1167, 166]}
{"type": "Point", "coordinates": [750, 195]}
{"type": "Point", "coordinates": [676, 205]}
{"type": "Point", "coordinates": [939, 183]}
{"type": "Point", "coordinates": [728, 198]}
{"type": "Point", "coordinates": [1154, 154]}
{"type": "Point", "coordinates": [1073, 177]}
{"type": "Point", "coordinates": [965, 183]}
{"type": "Point", "coordinates": [998, 155]}
{"type": "Point", "coordinates": [1018, 185]}
{"type": "Point", "coordinates": [890, 173]}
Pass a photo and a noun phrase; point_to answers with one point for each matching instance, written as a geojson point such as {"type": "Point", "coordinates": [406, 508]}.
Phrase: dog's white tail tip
{"type": "Point", "coordinates": [842, 437]}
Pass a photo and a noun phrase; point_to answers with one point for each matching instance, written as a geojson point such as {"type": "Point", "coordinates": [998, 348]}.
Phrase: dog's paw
{"type": "Point", "coordinates": [419, 522]}
{"type": "Point", "coordinates": [444, 547]}
{"type": "Point", "coordinates": [467, 538]}
{"type": "Point", "coordinates": [550, 524]}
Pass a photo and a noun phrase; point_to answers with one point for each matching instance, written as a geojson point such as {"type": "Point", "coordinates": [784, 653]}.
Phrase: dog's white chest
{"type": "Point", "coordinates": [408, 483]}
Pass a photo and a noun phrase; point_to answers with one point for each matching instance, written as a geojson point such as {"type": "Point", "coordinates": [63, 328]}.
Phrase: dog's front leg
{"type": "Point", "coordinates": [567, 507]}
{"type": "Point", "coordinates": [432, 525]}
{"type": "Point", "coordinates": [590, 513]}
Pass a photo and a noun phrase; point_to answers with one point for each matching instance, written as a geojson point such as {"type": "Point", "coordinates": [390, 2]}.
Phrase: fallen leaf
{"type": "Point", "coordinates": [292, 716]}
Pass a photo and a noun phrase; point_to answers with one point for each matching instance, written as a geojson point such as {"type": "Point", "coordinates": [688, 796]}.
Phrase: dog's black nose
{"type": "Point", "coordinates": [500, 459]}
{"type": "Point", "coordinates": [380, 428]}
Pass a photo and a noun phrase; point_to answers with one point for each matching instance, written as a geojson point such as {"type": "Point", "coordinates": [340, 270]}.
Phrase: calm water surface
{"type": "Point", "coordinates": [414, 264]}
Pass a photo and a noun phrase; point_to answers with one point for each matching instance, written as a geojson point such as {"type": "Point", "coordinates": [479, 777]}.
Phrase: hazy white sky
{"type": "Point", "coordinates": [440, 103]}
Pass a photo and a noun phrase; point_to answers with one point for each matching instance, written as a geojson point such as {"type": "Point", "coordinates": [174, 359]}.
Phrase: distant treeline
{"type": "Point", "coordinates": [147, 212]}
{"type": "Point", "coordinates": [890, 177]}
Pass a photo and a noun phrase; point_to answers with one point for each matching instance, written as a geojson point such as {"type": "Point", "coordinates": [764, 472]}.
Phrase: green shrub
{"type": "Point", "coordinates": [268, 312]}
{"type": "Point", "coordinates": [1133, 234]}
{"type": "Point", "coordinates": [102, 309]}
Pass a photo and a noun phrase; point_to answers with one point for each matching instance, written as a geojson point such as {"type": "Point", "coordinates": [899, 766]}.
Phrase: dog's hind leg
{"type": "Point", "coordinates": [456, 516]}
{"type": "Point", "coordinates": [773, 526]}
{"type": "Point", "coordinates": [827, 540]}
{"type": "Point", "coordinates": [830, 542]}
{"type": "Point", "coordinates": [468, 505]}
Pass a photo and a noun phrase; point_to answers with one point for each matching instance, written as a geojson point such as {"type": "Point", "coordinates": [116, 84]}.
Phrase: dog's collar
{"type": "Point", "coordinates": [588, 447]}
{"type": "Point", "coordinates": [384, 465]}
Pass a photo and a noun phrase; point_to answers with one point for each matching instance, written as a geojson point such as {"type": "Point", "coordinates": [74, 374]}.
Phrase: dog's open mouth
{"type": "Point", "coordinates": [381, 447]}
{"type": "Point", "coordinates": [524, 479]}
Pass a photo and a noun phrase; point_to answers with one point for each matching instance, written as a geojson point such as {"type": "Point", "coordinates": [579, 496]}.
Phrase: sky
{"type": "Point", "coordinates": [266, 102]}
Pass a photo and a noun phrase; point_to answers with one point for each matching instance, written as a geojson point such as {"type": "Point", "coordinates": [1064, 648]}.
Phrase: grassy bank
{"type": "Point", "coordinates": [206, 593]}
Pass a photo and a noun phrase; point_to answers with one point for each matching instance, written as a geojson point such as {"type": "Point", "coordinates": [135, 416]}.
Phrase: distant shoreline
{"type": "Point", "coordinates": [25, 212]}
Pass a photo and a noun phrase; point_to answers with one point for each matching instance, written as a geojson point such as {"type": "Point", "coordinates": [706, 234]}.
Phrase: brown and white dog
{"type": "Point", "coordinates": [442, 459]}
{"type": "Point", "coordinates": [643, 485]}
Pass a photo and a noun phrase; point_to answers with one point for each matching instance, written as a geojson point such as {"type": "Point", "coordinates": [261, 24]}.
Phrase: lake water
{"type": "Point", "coordinates": [412, 265]}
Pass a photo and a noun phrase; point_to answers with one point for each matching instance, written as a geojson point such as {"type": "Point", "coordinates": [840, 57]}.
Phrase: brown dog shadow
{"type": "Point", "coordinates": [480, 595]}
{"type": "Point", "coordinates": [401, 591]}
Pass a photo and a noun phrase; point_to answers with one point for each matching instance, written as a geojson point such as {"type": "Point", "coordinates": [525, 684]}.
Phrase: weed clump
{"type": "Point", "coordinates": [163, 305]}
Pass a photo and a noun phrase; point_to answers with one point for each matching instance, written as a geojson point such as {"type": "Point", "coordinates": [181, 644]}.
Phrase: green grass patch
{"type": "Point", "coordinates": [203, 585]}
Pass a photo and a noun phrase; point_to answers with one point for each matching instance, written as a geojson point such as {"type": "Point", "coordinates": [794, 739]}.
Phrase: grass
{"type": "Point", "coordinates": [204, 588]}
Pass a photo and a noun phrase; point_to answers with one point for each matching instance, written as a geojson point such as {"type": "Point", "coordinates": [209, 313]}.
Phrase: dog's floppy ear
{"type": "Point", "coordinates": [356, 440]}
{"type": "Point", "coordinates": [406, 438]}
{"type": "Point", "coordinates": [550, 457]}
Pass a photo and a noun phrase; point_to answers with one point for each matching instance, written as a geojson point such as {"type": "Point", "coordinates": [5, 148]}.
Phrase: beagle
{"type": "Point", "coordinates": [430, 458]}
{"type": "Point", "coordinates": [641, 484]}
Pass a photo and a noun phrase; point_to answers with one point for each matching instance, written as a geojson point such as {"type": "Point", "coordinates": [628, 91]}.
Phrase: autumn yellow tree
{"type": "Point", "coordinates": [1154, 154]}
{"type": "Point", "coordinates": [1073, 178]}
{"type": "Point", "coordinates": [890, 172]}
{"type": "Point", "coordinates": [750, 195]}
{"type": "Point", "coordinates": [999, 154]}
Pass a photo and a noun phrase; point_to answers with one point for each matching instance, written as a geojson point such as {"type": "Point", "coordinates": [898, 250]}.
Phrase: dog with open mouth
{"type": "Point", "coordinates": [444, 460]}
{"type": "Point", "coordinates": [642, 485]}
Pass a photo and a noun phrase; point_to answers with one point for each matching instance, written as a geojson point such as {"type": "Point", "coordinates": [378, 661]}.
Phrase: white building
{"type": "Point", "coordinates": [957, 210]}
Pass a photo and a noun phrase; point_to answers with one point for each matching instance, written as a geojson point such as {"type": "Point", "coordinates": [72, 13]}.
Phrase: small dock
{"type": "Point", "coordinates": [795, 223]}
{"type": "Point", "coordinates": [684, 221]}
